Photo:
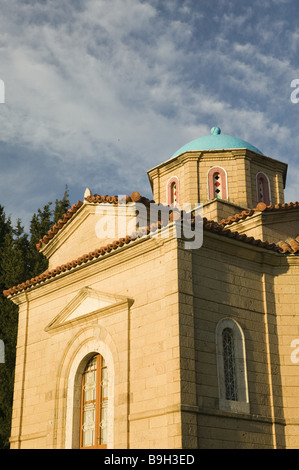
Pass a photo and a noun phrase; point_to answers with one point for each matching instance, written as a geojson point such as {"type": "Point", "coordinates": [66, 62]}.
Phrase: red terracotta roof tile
{"type": "Point", "coordinates": [214, 227]}
{"type": "Point", "coordinates": [291, 245]}
{"type": "Point", "coordinates": [96, 198]}
{"type": "Point", "coordinates": [261, 207]}
{"type": "Point", "coordinates": [61, 223]}
{"type": "Point", "coordinates": [285, 206]}
{"type": "Point", "coordinates": [135, 197]}
{"type": "Point", "coordinates": [208, 225]}
{"type": "Point", "coordinates": [285, 247]}
{"type": "Point", "coordinates": [237, 217]}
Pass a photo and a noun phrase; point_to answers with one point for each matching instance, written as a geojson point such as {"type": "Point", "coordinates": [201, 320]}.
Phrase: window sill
{"type": "Point", "coordinates": [234, 406]}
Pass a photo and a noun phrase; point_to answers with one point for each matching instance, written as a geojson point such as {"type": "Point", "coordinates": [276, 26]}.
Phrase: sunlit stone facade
{"type": "Point", "coordinates": [198, 345]}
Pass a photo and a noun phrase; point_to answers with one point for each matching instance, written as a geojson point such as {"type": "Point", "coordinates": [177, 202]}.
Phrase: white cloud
{"type": "Point", "coordinates": [104, 90]}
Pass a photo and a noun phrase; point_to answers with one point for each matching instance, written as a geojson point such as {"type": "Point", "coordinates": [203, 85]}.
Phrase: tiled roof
{"type": "Point", "coordinates": [237, 217]}
{"type": "Point", "coordinates": [261, 207]}
{"type": "Point", "coordinates": [82, 260]}
{"type": "Point", "coordinates": [58, 226]}
{"type": "Point", "coordinates": [291, 245]}
{"type": "Point", "coordinates": [67, 266]}
{"type": "Point", "coordinates": [135, 197]}
{"type": "Point", "coordinates": [96, 198]}
{"type": "Point", "coordinates": [208, 225]}
{"type": "Point", "coordinates": [215, 227]}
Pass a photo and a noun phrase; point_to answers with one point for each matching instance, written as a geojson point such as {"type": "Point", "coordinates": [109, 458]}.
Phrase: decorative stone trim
{"type": "Point", "coordinates": [241, 404]}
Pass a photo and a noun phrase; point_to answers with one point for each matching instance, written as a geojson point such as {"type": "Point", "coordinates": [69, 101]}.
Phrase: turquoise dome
{"type": "Point", "coordinates": [216, 141]}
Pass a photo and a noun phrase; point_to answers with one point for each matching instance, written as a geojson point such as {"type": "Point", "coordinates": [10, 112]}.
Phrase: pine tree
{"type": "Point", "coordinates": [61, 206]}
{"type": "Point", "coordinates": [8, 334]}
{"type": "Point", "coordinates": [5, 226]}
{"type": "Point", "coordinates": [9, 275]}
{"type": "Point", "coordinates": [40, 224]}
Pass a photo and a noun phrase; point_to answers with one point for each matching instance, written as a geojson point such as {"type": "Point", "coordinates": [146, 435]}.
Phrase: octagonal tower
{"type": "Point", "coordinates": [224, 173]}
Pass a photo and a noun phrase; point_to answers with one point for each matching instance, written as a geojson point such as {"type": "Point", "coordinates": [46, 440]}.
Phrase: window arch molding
{"type": "Point", "coordinates": [174, 180]}
{"type": "Point", "coordinates": [241, 403]}
{"type": "Point", "coordinates": [263, 183]}
{"type": "Point", "coordinates": [223, 182]}
{"type": "Point", "coordinates": [74, 381]}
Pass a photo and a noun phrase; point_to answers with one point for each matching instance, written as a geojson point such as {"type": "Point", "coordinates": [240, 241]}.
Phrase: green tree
{"type": "Point", "coordinates": [5, 226]}
{"type": "Point", "coordinates": [12, 270]}
{"type": "Point", "coordinates": [41, 223]}
{"type": "Point", "coordinates": [61, 206]}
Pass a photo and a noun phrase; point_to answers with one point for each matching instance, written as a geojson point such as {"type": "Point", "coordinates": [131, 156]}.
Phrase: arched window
{"type": "Point", "coordinates": [231, 365]}
{"type": "Point", "coordinates": [94, 404]}
{"type": "Point", "coordinates": [263, 188]}
{"type": "Point", "coordinates": [217, 186]}
{"type": "Point", "coordinates": [173, 192]}
{"type": "Point", "coordinates": [217, 183]}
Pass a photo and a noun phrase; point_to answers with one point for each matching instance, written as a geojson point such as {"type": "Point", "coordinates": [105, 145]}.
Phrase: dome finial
{"type": "Point", "coordinates": [215, 130]}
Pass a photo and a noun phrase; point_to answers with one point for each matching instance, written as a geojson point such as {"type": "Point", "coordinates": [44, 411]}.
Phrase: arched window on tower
{"type": "Point", "coordinates": [217, 186]}
{"type": "Point", "coordinates": [173, 192]}
{"type": "Point", "coordinates": [217, 183]}
{"type": "Point", "coordinates": [231, 366]}
{"type": "Point", "coordinates": [263, 188]}
{"type": "Point", "coordinates": [94, 405]}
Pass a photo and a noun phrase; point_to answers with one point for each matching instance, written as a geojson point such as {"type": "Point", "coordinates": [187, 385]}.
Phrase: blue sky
{"type": "Point", "coordinates": [97, 92]}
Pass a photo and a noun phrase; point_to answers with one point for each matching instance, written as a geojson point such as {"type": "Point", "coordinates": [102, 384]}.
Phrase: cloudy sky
{"type": "Point", "coordinates": [97, 92]}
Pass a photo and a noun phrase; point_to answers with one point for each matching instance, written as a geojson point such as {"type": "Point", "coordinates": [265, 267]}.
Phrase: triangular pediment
{"type": "Point", "coordinates": [85, 305]}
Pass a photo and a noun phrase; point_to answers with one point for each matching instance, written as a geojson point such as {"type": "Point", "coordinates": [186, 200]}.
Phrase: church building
{"type": "Point", "coordinates": [136, 339]}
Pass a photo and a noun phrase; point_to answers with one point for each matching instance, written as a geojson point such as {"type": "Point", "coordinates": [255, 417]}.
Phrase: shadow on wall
{"type": "Point", "coordinates": [226, 285]}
